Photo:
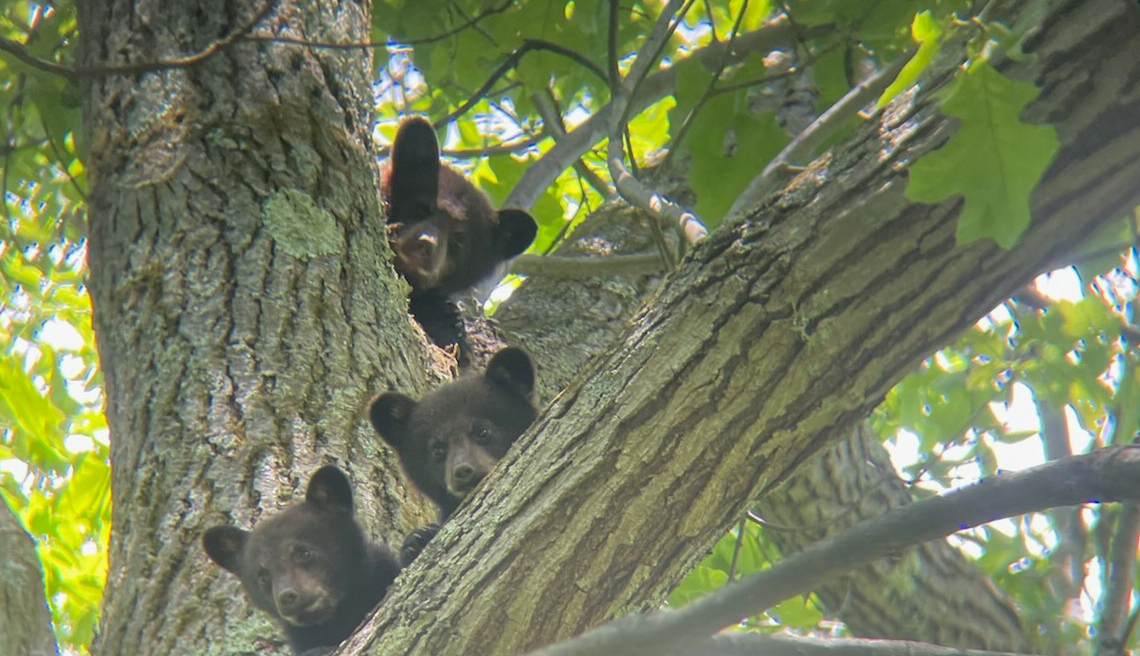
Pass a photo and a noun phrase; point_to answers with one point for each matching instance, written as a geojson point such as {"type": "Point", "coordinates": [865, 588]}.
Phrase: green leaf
{"type": "Point", "coordinates": [927, 33]}
{"type": "Point", "coordinates": [797, 613]}
{"type": "Point", "coordinates": [994, 160]}
{"type": "Point", "coordinates": [698, 583]}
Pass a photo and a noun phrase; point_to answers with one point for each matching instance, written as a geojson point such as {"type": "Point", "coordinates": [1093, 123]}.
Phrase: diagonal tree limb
{"type": "Point", "coordinates": [1111, 474]}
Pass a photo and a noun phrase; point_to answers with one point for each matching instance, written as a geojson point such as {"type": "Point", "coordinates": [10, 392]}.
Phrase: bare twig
{"type": "Point", "coordinates": [1111, 474]}
{"type": "Point", "coordinates": [611, 47]}
{"type": "Point", "coordinates": [627, 184]}
{"type": "Point", "coordinates": [551, 114]}
{"type": "Point", "coordinates": [1069, 556]}
{"type": "Point", "coordinates": [510, 63]}
{"type": "Point", "coordinates": [800, 149]}
{"type": "Point", "coordinates": [679, 136]}
{"type": "Point", "coordinates": [511, 148]}
{"type": "Point", "coordinates": [471, 22]}
{"type": "Point", "coordinates": [543, 171]}
{"type": "Point", "coordinates": [736, 548]}
{"type": "Point", "coordinates": [556, 266]}
{"type": "Point", "coordinates": [73, 72]}
{"type": "Point", "coordinates": [639, 195]}
{"type": "Point", "coordinates": [650, 51]}
{"type": "Point", "coordinates": [757, 644]}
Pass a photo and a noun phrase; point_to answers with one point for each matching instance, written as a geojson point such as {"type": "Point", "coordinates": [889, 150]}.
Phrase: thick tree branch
{"type": "Point", "coordinates": [932, 593]}
{"type": "Point", "coordinates": [587, 267]}
{"type": "Point", "coordinates": [780, 328]}
{"type": "Point", "coordinates": [753, 644]}
{"type": "Point", "coordinates": [1112, 474]}
{"type": "Point", "coordinates": [25, 619]}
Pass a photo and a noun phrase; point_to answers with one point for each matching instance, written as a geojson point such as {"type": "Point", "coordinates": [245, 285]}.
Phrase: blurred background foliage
{"type": "Point", "coordinates": [1047, 374]}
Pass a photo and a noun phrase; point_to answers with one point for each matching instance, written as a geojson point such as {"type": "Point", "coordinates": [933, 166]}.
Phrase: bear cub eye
{"type": "Point", "coordinates": [263, 579]}
{"type": "Point", "coordinates": [302, 555]}
{"type": "Point", "coordinates": [439, 451]}
{"type": "Point", "coordinates": [482, 434]}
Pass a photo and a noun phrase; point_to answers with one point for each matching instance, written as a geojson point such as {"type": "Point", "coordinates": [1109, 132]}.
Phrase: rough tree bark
{"type": "Point", "coordinates": [243, 303]}
{"type": "Point", "coordinates": [931, 594]}
{"type": "Point", "coordinates": [777, 334]}
{"type": "Point", "coordinates": [245, 311]}
{"type": "Point", "coordinates": [25, 619]}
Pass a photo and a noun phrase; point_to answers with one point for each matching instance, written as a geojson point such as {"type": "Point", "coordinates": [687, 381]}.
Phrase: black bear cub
{"type": "Point", "coordinates": [450, 439]}
{"type": "Point", "coordinates": [309, 566]}
{"type": "Point", "coordinates": [444, 232]}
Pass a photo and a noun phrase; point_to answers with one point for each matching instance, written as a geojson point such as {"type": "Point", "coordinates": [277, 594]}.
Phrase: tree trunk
{"type": "Point", "coordinates": [25, 619]}
{"type": "Point", "coordinates": [243, 301]}
{"type": "Point", "coordinates": [772, 339]}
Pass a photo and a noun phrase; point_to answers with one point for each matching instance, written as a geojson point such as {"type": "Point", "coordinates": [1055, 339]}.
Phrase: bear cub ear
{"type": "Point", "coordinates": [511, 369]}
{"type": "Point", "coordinates": [414, 185]}
{"type": "Point", "coordinates": [224, 545]}
{"type": "Point", "coordinates": [389, 414]}
{"type": "Point", "coordinates": [516, 231]}
{"type": "Point", "coordinates": [329, 489]}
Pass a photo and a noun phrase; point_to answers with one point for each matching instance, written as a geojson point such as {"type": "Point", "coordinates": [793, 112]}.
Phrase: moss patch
{"type": "Point", "coordinates": [301, 228]}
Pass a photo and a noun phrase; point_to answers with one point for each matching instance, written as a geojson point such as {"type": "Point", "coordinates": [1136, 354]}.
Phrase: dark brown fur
{"type": "Point", "coordinates": [444, 232]}
{"type": "Point", "coordinates": [450, 439]}
{"type": "Point", "coordinates": [309, 566]}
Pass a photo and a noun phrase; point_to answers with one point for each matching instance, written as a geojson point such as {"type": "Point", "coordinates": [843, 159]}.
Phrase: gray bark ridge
{"type": "Point", "coordinates": [780, 330]}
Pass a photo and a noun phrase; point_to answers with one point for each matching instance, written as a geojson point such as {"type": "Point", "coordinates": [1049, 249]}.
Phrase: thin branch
{"type": "Point", "coordinates": [687, 123]}
{"type": "Point", "coordinates": [583, 266]}
{"type": "Point", "coordinates": [1130, 625]}
{"type": "Point", "coordinates": [474, 24]}
{"type": "Point", "coordinates": [800, 149]}
{"type": "Point", "coordinates": [324, 45]}
{"type": "Point", "coordinates": [470, 23]}
{"type": "Point", "coordinates": [510, 148]}
{"type": "Point", "coordinates": [640, 195]}
{"type": "Point", "coordinates": [736, 548]}
{"type": "Point", "coordinates": [54, 145]}
{"type": "Point", "coordinates": [1110, 474]}
{"type": "Point", "coordinates": [551, 114]}
{"type": "Point", "coordinates": [611, 48]}
{"type": "Point", "coordinates": [632, 189]}
{"type": "Point", "coordinates": [1068, 559]}
{"type": "Point", "coordinates": [757, 644]}
{"type": "Point", "coordinates": [510, 63]}
{"type": "Point", "coordinates": [541, 173]}
{"type": "Point", "coordinates": [10, 148]}
{"type": "Point", "coordinates": [651, 50]}
{"type": "Point", "coordinates": [73, 72]}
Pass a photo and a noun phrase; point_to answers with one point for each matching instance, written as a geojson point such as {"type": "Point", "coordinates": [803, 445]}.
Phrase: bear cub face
{"type": "Point", "coordinates": [309, 566]}
{"type": "Point", "coordinates": [450, 439]}
{"type": "Point", "coordinates": [445, 234]}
